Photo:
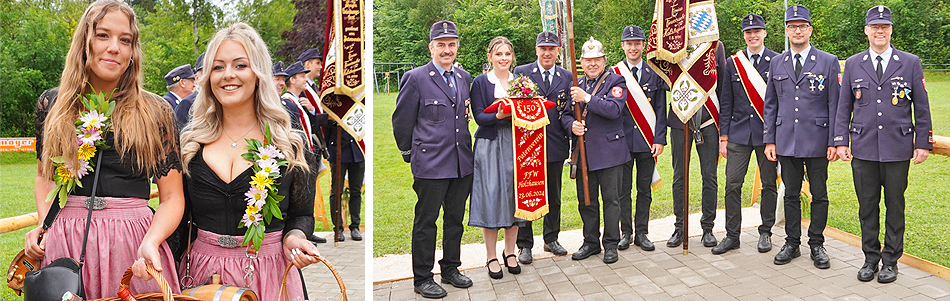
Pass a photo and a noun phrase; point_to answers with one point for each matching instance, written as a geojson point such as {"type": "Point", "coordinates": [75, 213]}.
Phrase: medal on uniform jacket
{"type": "Point", "coordinates": [894, 100]}
{"type": "Point", "coordinates": [821, 82]}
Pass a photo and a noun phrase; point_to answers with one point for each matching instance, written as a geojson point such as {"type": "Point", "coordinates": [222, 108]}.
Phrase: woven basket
{"type": "Point", "coordinates": [336, 275]}
{"type": "Point", "coordinates": [165, 295]}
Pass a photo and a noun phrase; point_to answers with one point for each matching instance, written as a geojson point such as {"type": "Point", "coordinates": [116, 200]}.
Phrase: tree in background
{"type": "Point", "coordinates": [37, 33]}
{"type": "Point", "coordinates": [308, 31]}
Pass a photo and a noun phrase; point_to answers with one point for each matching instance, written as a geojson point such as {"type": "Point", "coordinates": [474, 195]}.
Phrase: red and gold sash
{"type": "Point", "coordinates": [529, 117]}
{"type": "Point", "coordinates": [304, 119]}
{"type": "Point", "coordinates": [752, 83]}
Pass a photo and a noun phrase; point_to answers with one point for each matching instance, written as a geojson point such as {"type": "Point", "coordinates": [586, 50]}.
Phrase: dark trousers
{"type": "Point", "coordinates": [356, 171]}
{"type": "Point", "coordinates": [708, 160]}
{"type": "Point", "coordinates": [552, 221]}
{"type": "Point", "coordinates": [645, 165]}
{"type": "Point", "coordinates": [450, 195]}
{"type": "Point", "coordinates": [607, 181]}
{"type": "Point", "coordinates": [869, 177]}
{"type": "Point", "coordinates": [793, 172]}
{"type": "Point", "coordinates": [737, 164]}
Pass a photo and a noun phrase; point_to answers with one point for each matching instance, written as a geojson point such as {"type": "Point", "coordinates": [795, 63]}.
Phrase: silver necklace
{"type": "Point", "coordinates": [234, 141]}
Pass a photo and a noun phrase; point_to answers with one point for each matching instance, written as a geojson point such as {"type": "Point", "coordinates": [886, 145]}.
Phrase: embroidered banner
{"type": "Point", "coordinates": [529, 117]}
{"type": "Point", "coordinates": [692, 76]}
{"type": "Point", "coordinates": [752, 83]}
{"type": "Point", "coordinates": [670, 19]}
{"type": "Point", "coordinates": [341, 84]}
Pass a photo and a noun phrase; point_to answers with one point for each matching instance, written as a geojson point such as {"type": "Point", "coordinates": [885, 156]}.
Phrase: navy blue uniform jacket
{"type": "Point", "coordinates": [430, 122]}
{"type": "Point", "coordinates": [605, 140]}
{"type": "Point", "coordinates": [737, 117]}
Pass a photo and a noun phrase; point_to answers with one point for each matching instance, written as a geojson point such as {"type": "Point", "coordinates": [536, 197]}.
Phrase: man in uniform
{"type": "Point", "coordinates": [182, 111]}
{"type": "Point", "coordinates": [800, 102]}
{"type": "Point", "coordinates": [312, 60]}
{"type": "Point", "coordinates": [740, 133]}
{"type": "Point", "coordinates": [704, 134]}
{"type": "Point", "coordinates": [280, 81]}
{"type": "Point", "coordinates": [430, 125]}
{"type": "Point", "coordinates": [180, 82]}
{"type": "Point", "coordinates": [352, 168]}
{"type": "Point", "coordinates": [601, 96]}
{"type": "Point", "coordinates": [554, 82]}
{"type": "Point", "coordinates": [644, 123]}
{"type": "Point", "coordinates": [875, 114]}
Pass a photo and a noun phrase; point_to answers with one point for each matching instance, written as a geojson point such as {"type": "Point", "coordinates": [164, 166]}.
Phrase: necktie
{"type": "Point", "coordinates": [880, 67]}
{"type": "Point", "coordinates": [546, 78]}
{"type": "Point", "coordinates": [448, 80]}
{"type": "Point", "coordinates": [634, 72]}
{"type": "Point", "coordinates": [798, 65]}
{"type": "Point", "coordinates": [755, 61]}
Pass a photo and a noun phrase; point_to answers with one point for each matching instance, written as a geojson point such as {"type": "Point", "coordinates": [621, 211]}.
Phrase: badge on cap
{"type": "Point", "coordinates": [750, 19]}
{"type": "Point", "coordinates": [445, 27]}
{"type": "Point", "coordinates": [880, 10]}
{"type": "Point", "coordinates": [795, 9]}
{"type": "Point", "coordinates": [616, 92]}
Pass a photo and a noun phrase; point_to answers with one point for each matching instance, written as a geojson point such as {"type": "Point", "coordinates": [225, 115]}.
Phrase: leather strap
{"type": "Point", "coordinates": [95, 183]}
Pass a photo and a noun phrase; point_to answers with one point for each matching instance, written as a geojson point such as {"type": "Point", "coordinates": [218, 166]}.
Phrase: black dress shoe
{"type": "Point", "coordinates": [610, 256]}
{"type": "Point", "coordinates": [430, 289]}
{"type": "Point", "coordinates": [555, 247]}
{"type": "Point", "coordinates": [339, 235]}
{"type": "Point", "coordinates": [709, 240]}
{"type": "Point", "coordinates": [820, 257]}
{"type": "Point", "coordinates": [524, 255]}
{"type": "Point", "coordinates": [457, 280]}
{"type": "Point", "coordinates": [676, 239]}
{"type": "Point", "coordinates": [765, 243]}
{"type": "Point", "coordinates": [786, 254]}
{"type": "Point", "coordinates": [516, 268]}
{"type": "Point", "coordinates": [494, 275]}
{"type": "Point", "coordinates": [624, 242]}
{"type": "Point", "coordinates": [644, 242]}
{"type": "Point", "coordinates": [316, 239]}
{"type": "Point", "coordinates": [866, 273]}
{"type": "Point", "coordinates": [888, 274]}
{"type": "Point", "coordinates": [727, 244]}
{"type": "Point", "coordinates": [585, 251]}
{"type": "Point", "coordinates": [356, 235]}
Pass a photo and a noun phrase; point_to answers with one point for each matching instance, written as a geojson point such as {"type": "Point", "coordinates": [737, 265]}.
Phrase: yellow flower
{"type": "Point", "coordinates": [63, 173]}
{"type": "Point", "coordinates": [261, 181]}
{"type": "Point", "coordinates": [251, 210]}
{"type": "Point", "coordinates": [86, 151]}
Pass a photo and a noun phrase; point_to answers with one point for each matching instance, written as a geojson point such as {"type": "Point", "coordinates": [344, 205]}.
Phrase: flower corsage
{"type": "Point", "coordinates": [262, 198]}
{"type": "Point", "coordinates": [93, 122]}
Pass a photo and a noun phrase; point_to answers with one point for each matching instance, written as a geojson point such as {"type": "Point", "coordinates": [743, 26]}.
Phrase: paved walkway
{"type": "Point", "coordinates": [666, 274]}
{"type": "Point", "coordinates": [348, 258]}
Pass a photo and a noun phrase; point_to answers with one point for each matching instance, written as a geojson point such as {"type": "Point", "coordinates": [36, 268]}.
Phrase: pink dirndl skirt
{"type": "Point", "coordinates": [208, 257]}
{"type": "Point", "coordinates": [115, 234]}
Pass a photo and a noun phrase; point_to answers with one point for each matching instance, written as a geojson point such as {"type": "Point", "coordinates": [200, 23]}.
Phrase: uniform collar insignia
{"type": "Point", "coordinates": [431, 73]}
{"type": "Point", "coordinates": [812, 57]}
{"type": "Point", "coordinates": [896, 58]}
{"type": "Point", "coordinates": [865, 58]}
{"type": "Point", "coordinates": [768, 59]}
{"type": "Point", "coordinates": [535, 70]}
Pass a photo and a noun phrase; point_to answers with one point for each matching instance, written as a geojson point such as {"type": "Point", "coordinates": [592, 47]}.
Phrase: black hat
{"type": "Point", "coordinates": [295, 68]}
{"type": "Point", "coordinates": [279, 69]}
{"type": "Point", "coordinates": [878, 15]}
{"type": "Point", "coordinates": [752, 21]}
{"type": "Point", "coordinates": [632, 33]}
{"type": "Point", "coordinates": [200, 62]}
{"type": "Point", "coordinates": [309, 54]}
{"type": "Point", "coordinates": [177, 74]}
{"type": "Point", "coordinates": [443, 29]}
{"type": "Point", "coordinates": [547, 38]}
{"type": "Point", "coordinates": [796, 13]}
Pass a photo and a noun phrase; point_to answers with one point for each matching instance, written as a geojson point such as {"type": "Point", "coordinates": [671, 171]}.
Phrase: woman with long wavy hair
{"type": "Point", "coordinates": [238, 101]}
{"type": "Point", "coordinates": [105, 56]}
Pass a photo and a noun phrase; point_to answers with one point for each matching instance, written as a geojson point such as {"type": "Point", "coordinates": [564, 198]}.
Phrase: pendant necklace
{"type": "Point", "coordinates": [234, 141]}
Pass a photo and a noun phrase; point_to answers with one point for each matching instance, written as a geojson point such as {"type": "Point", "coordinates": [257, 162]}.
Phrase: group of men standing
{"type": "Point", "coordinates": [298, 78]}
{"type": "Point", "coordinates": [793, 109]}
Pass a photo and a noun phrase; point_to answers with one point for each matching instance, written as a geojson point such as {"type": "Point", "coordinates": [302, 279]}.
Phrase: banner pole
{"type": "Point", "coordinates": [581, 150]}
{"type": "Point", "coordinates": [686, 187]}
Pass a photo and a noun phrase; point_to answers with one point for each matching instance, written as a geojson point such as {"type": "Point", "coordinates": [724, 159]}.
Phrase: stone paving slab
{"type": "Point", "coordinates": [667, 274]}
{"type": "Point", "coordinates": [349, 259]}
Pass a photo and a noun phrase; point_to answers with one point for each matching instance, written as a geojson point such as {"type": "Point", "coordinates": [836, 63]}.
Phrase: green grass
{"type": "Point", "coordinates": [927, 214]}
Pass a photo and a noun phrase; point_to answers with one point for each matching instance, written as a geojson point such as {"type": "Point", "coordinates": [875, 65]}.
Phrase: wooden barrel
{"type": "Point", "coordinates": [218, 292]}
